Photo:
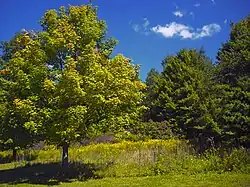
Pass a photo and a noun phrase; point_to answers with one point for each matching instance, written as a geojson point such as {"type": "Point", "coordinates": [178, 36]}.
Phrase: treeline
{"type": "Point", "coordinates": [205, 102]}
{"type": "Point", "coordinates": [61, 85]}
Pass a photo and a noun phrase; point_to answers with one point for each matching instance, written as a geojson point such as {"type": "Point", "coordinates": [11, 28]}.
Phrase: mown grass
{"type": "Point", "coordinates": [204, 180]}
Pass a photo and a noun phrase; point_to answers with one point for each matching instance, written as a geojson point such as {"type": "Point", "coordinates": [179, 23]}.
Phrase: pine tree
{"type": "Point", "coordinates": [233, 86]}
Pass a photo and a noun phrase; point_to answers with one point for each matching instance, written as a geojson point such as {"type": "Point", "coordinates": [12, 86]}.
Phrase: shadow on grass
{"type": "Point", "coordinates": [48, 174]}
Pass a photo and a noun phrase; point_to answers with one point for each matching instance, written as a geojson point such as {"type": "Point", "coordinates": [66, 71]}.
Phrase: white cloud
{"type": "Point", "coordinates": [185, 32]}
{"type": "Point", "coordinates": [172, 29]}
{"type": "Point", "coordinates": [142, 28]}
{"type": "Point", "coordinates": [197, 4]}
{"type": "Point", "coordinates": [213, 1]}
{"type": "Point", "coordinates": [136, 27]}
{"type": "Point", "coordinates": [208, 30]}
{"type": "Point", "coordinates": [178, 14]}
{"type": "Point", "coordinates": [146, 23]}
{"type": "Point", "coordinates": [225, 21]}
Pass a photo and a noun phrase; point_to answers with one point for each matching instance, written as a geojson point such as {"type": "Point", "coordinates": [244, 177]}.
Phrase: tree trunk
{"type": "Point", "coordinates": [65, 156]}
{"type": "Point", "coordinates": [14, 154]}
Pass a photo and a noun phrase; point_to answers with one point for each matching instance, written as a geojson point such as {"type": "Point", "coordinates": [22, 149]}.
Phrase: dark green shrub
{"type": "Point", "coordinates": [222, 161]}
{"type": "Point", "coordinates": [152, 130]}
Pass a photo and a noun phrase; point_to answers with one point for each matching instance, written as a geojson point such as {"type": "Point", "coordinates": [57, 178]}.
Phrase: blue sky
{"type": "Point", "coordinates": [147, 30]}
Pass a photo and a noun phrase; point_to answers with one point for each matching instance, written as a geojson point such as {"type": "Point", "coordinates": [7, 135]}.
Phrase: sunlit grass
{"type": "Point", "coordinates": [199, 180]}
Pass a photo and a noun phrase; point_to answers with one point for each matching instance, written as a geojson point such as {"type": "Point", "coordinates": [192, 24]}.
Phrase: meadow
{"type": "Point", "coordinates": [186, 124]}
{"type": "Point", "coordinates": [149, 163]}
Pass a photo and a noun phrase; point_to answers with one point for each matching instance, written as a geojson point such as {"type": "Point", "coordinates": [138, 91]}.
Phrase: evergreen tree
{"type": "Point", "coordinates": [154, 111]}
{"type": "Point", "coordinates": [182, 93]}
{"type": "Point", "coordinates": [233, 86]}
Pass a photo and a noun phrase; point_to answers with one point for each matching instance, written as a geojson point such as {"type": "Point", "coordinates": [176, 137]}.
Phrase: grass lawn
{"type": "Point", "coordinates": [210, 179]}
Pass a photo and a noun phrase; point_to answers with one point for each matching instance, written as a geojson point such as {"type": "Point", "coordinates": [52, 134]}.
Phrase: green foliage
{"type": "Point", "coordinates": [89, 92]}
{"type": "Point", "coordinates": [180, 94]}
{"type": "Point", "coordinates": [232, 90]}
{"type": "Point", "coordinates": [152, 130]}
{"type": "Point", "coordinates": [61, 85]}
{"type": "Point", "coordinates": [201, 101]}
{"type": "Point", "coordinates": [236, 160]}
{"type": "Point", "coordinates": [20, 81]}
{"type": "Point", "coordinates": [154, 111]}
{"type": "Point", "coordinates": [234, 55]}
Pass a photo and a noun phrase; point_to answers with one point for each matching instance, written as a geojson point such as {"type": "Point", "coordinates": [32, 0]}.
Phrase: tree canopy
{"type": "Point", "coordinates": [232, 77]}
{"type": "Point", "coordinates": [200, 99]}
{"type": "Point", "coordinates": [62, 84]}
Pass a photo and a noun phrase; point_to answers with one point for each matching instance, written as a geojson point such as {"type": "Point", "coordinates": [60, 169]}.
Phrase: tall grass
{"type": "Point", "coordinates": [146, 158]}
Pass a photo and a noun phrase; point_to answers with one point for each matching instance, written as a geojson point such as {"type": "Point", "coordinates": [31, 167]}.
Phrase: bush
{"type": "Point", "coordinates": [23, 155]}
{"type": "Point", "coordinates": [152, 130]}
{"type": "Point", "coordinates": [222, 161]}
{"type": "Point", "coordinates": [5, 157]}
